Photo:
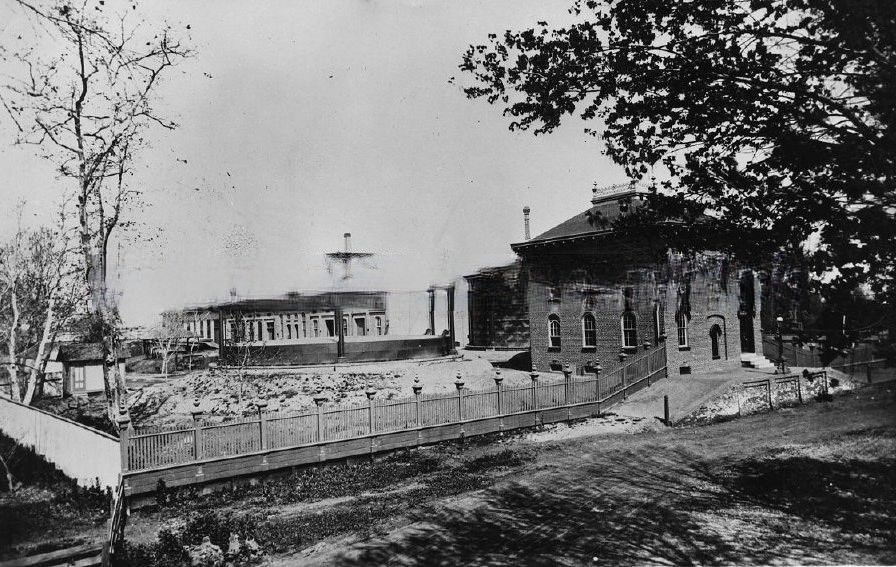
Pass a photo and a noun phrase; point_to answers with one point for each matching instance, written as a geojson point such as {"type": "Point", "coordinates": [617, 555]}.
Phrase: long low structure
{"type": "Point", "coordinates": [325, 351]}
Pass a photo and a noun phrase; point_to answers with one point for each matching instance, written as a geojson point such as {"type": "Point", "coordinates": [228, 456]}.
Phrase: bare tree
{"type": "Point", "coordinates": [168, 333]}
{"type": "Point", "coordinates": [38, 271]}
{"type": "Point", "coordinates": [87, 110]}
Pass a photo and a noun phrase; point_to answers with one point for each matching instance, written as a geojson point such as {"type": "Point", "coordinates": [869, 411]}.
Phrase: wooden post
{"type": "Point", "coordinates": [567, 376]}
{"type": "Point", "coordinates": [459, 384]}
{"type": "Point", "coordinates": [623, 369]}
{"type": "Point", "coordinates": [666, 411]}
{"type": "Point", "coordinates": [826, 390]}
{"type": "Point", "coordinates": [647, 355]}
{"type": "Point", "coordinates": [768, 390]}
{"type": "Point", "coordinates": [124, 435]}
{"type": "Point", "coordinates": [417, 389]}
{"type": "Point", "coordinates": [498, 380]}
{"type": "Point", "coordinates": [319, 401]}
{"type": "Point", "coordinates": [799, 388]}
{"type": "Point", "coordinates": [534, 376]}
{"type": "Point", "coordinates": [262, 422]}
{"type": "Point", "coordinates": [197, 432]}
{"type": "Point", "coordinates": [370, 392]}
{"type": "Point", "coordinates": [868, 371]}
{"type": "Point", "coordinates": [597, 369]}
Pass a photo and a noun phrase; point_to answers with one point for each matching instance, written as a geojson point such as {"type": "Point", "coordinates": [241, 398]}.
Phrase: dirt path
{"type": "Point", "coordinates": [813, 484]}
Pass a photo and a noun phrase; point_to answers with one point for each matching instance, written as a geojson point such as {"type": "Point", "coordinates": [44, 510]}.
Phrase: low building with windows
{"type": "Point", "coordinates": [292, 318]}
{"type": "Point", "coordinates": [594, 296]}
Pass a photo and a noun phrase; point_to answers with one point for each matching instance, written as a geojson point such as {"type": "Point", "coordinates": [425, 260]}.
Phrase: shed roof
{"type": "Point", "coordinates": [82, 352]}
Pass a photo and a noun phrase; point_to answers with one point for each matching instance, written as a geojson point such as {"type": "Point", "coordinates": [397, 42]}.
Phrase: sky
{"type": "Point", "coordinates": [307, 119]}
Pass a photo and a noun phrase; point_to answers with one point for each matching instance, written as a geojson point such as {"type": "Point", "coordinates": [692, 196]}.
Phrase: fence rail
{"type": "Point", "coordinates": [438, 416]}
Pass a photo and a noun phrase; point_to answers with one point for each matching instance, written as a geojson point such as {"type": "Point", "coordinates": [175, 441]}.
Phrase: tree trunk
{"type": "Point", "coordinates": [36, 372]}
{"type": "Point", "coordinates": [14, 388]}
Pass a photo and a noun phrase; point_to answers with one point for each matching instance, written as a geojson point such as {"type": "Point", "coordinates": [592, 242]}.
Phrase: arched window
{"type": "Point", "coordinates": [629, 330]}
{"type": "Point", "coordinates": [682, 321]}
{"type": "Point", "coordinates": [315, 327]}
{"type": "Point", "coordinates": [589, 330]}
{"type": "Point", "coordinates": [715, 338]}
{"type": "Point", "coordinates": [554, 331]}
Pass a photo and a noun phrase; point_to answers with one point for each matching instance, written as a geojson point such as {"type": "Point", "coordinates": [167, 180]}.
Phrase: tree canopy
{"type": "Point", "coordinates": [776, 116]}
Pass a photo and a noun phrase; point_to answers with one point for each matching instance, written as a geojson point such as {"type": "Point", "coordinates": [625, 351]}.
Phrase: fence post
{"type": "Point", "coordinates": [768, 390]}
{"type": "Point", "coordinates": [534, 376]}
{"type": "Point", "coordinates": [417, 389]}
{"type": "Point", "coordinates": [197, 433]}
{"type": "Point", "coordinates": [262, 434]}
{"type": "Point", "coordinates": [799, 386]}
{"type": "Point", "coordinates": [868, 371]}
{"type": "Point", "coordinates": [623, 369]}
{"type": "Point", "coordinates": [567, 375]}
{"type": "Point", "coordinates": [319, 401]}
{"type": "Point", "coordinates": [370, 393]}
{"type": "Point", "coordinates": [597, 369]}
{"type": "Point", "coordinates": [647, 356]}
{"type": "Point", "coordinates": [124, 435]}
{"type": "Point", "coordinates": [459, 384]}
{"type": "Point", "coordinates": [498, 380]}
{"type": "Point", "coordinates": [666, 419]}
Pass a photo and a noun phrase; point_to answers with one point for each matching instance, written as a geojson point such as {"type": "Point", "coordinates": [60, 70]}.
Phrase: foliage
{"type": "Point", "coordinates": [39, 295]}
{"type": "Point", "coordinates": [87, 108]}
{"type": "Point", "coordinates": [774, 117]}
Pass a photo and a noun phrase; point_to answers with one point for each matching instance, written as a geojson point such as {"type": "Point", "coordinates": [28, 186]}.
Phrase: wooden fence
{"type": "Point", "coordinates": [788, 389]}
{"type": "Point", "coordinates": [85, 454]}
{"type": "Point", "coordinates": [208, 451]}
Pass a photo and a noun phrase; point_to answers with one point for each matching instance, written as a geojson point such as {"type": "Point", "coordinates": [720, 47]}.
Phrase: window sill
{"type": "Point", "coordinates": [589, 349]}
{"type": "Point", "coordinates": [684, 348]}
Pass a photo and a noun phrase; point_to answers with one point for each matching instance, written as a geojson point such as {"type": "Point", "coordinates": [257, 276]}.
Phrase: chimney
{"type": "Point", "coordinates": [348, 241]}
{"type": "Point", "coordinates": [526, 221]}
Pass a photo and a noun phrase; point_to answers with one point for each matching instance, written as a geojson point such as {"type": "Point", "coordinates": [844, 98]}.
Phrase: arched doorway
{"type": "Point", "coordinates": [716, 338]}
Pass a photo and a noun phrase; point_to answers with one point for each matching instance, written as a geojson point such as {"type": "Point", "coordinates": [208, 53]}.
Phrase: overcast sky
{"type": "Point", "coordinates": [307, 119]}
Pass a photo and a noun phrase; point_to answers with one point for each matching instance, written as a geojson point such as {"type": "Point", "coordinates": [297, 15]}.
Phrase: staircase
{"type": "Point", "coordinates": [757, 361]}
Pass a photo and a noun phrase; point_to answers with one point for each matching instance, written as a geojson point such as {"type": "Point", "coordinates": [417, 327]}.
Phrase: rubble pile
{"type": "Point", "coordinates": [229, 393]}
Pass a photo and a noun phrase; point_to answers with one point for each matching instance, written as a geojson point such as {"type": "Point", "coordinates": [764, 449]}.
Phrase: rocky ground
{"type": "Point", "coordinates": [221, 393]}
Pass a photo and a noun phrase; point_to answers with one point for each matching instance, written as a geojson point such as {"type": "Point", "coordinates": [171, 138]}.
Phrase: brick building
{"type": "Point", "coordinates": [497, 309]}
{"type": "Point", "coordinates": [592, 295]}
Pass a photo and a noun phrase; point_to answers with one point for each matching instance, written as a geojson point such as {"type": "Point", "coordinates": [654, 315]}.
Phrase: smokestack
{"type": "Point", "coordinates": [526, 221]}
{"type": "Point", "coordinates": [348, 241]}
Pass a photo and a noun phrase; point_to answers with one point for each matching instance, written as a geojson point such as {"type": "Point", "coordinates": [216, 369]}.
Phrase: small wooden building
{"type": "Point", "coordinates": [82, 367]}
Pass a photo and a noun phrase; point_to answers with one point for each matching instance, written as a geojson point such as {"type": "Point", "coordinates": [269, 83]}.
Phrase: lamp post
{"type": "Point", "coordinates": [780, 338]}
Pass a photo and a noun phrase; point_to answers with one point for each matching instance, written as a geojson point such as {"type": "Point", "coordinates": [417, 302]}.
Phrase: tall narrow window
{"type": "Point", "coordinates": [629, 330]}
{"type": "Point", "coordinates": [589, 330]}
{"type": "Point", "coordinates": [379, 325]}
{"type": "Point", "coordinates": [715, 338]}
{"type": "Point", "coordinates": [682, 321]}
{"type": "Point", "coordinates": [79, 377]}
{"type": "Point", "coordinates": [554, 331]}
{"type": "Point", "coordinates": [316, 326]}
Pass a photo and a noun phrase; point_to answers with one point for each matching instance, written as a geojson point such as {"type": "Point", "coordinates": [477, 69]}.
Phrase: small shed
{"type": "Point", "coordinates": [82, 367]}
